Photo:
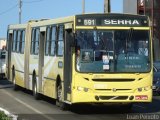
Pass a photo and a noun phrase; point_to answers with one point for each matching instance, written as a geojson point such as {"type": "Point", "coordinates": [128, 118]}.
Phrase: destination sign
{"type": "Point", "coordinates": [112, 20]}
{"type": "Point", "coordinates": [120, 22]}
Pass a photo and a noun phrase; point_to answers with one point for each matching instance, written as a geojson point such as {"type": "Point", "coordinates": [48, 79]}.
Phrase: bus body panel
{"type": "Point", "coordinates": [105, 85]}
{"type": "Point", "coordinates": [18, 64]}
{"type": "Point", "coordinates": [27, 54]}
{"type": "Point", "coordinates": [51, 72]}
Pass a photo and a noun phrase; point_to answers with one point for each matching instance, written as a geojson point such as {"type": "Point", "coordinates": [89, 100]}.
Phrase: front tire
{"type": "Point", "coordinates": [59, 100]}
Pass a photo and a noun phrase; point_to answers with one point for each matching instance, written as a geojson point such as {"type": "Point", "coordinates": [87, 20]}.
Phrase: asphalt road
{"type": "Point", "coordinates": [23, 104]}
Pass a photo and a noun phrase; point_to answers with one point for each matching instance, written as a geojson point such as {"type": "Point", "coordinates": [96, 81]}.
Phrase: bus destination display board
{"type": "Point", "coordinates": [111, 20]}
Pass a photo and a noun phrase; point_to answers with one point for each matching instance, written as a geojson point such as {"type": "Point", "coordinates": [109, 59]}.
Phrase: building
{"type": "Point", "coordinates": [130, 6]}
{"type": "Point", "coordinates": [152, 9]}
{"type": "Point", "coordinates": [2, 43]}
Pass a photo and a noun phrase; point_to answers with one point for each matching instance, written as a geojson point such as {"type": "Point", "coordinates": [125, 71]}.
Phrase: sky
{"type": "Point", "coordinates": [42, 9]}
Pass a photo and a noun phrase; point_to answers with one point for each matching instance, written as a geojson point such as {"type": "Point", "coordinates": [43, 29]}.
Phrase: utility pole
{"type": "Point", "coordinates": [20, 10]}
{"type": "Point", "coordinates": [83, 6]}
{"type": "Point", "coordinates": [107, 6]}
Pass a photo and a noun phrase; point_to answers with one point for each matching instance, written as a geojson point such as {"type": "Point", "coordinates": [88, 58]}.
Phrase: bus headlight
{"type": "Point", "coordinates": [147, 88]}
{"type": "Point", "coordinates": [79, 88]}
{"type": "Point", "coordinates": [144, 88]}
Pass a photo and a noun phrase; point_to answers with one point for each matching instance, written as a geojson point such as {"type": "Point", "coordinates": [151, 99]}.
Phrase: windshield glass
{"type": "Point", "coordinates": [112, 51]}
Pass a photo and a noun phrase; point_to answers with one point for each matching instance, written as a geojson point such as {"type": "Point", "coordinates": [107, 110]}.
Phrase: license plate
{"type": "Point", "coordinates": [141, 97]}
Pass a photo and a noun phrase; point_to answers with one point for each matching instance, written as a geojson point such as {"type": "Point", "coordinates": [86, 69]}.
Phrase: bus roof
{"type": "Point", "coordinates": [43, 22]}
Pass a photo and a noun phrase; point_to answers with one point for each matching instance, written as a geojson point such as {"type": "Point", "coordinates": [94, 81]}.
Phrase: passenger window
{"type": "Point", "coordinates": [14, 41]}
{"type": "Point", "coordinates": [32, 42]}
{"type": "Point", "coordinates": [35, 41]}
{"type": "Point", "coordinates": [47, 41]}
{"type": "Point", "coordinates": [18, 41]}
{"type": "Point", "coordinates": [53, 40]}
{"type": "Point", "coordinates": [60, 41]}
{"type": "Point", "coordinates": [23, 41]}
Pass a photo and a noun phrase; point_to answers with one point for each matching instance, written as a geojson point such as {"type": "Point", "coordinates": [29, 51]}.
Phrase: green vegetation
{"type": "Point", "coordinates": [3, 116]}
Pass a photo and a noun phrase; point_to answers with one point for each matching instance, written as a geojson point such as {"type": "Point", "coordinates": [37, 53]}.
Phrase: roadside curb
{"type": "Point", "coordinates": [10, 115]}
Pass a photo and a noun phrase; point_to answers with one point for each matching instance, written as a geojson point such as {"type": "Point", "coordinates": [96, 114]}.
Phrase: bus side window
{"type": "Point", "coordinates": [14, 41]}
{"type": "Point", "coordinates": [32, 42]}
{"type": "Point", "coordinates": [53, 40]}
{"type": "Point", "coordinates": [47, 41]}
{"type": "Point", "coordinates": [22, 42]}
{"type": "Point", "coordinates": [18, 41]}
{"type": "Point", "coordinates": [35, 42]}
{"type": "Point", "coordinates": [60, 41]}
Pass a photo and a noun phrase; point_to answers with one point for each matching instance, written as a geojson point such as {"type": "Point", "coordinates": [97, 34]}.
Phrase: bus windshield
{"type": "Point", "coordinates": [100, 51]}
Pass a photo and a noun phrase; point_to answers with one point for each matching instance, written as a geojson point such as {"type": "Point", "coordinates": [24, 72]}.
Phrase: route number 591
{"type": "Point", "coordinates": [89, 22]}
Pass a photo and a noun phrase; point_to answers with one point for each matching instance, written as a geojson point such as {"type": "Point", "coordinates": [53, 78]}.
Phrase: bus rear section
{"type": "Point", "coordinates": [2, 62]}
{"type": "Point", "coordinates": [113, 59]}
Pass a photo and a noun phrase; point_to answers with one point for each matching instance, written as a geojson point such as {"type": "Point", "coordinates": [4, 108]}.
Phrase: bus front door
{"type": "Point", "coordinates": [68, 64]}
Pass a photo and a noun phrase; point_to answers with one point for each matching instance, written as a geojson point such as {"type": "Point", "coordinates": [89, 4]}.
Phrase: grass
{"type": "Point", "coordinates": [3, 116]}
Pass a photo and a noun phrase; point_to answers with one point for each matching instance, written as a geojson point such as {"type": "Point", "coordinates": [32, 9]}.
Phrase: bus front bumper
{"type": "Point", "coordinates": [91, 97]}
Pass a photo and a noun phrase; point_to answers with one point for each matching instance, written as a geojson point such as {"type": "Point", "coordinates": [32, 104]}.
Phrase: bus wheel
{"type": "Point", "coordinates": [35, 93]}
{"type": "Point", "coordinates": [59, 102]}
{"type": "Point", "coordinates": [15, 87]}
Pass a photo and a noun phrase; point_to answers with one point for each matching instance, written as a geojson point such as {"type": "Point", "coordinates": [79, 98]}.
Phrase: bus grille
{"type": "Point", "coordinates": [117, 90]}
{"type": "Point", "coordinates": [113, 97]}
{"type": "Point", "coordinates": [113, 80]}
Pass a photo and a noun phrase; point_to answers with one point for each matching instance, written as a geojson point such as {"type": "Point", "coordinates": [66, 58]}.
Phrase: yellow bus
{"type": "Point", "coordinates": [88, 58]}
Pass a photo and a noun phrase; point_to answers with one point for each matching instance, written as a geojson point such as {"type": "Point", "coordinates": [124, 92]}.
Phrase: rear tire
{"type": "Point", "coordinates": [35, 93]}
{"type": "Point", "coordinates": [15, 87]}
